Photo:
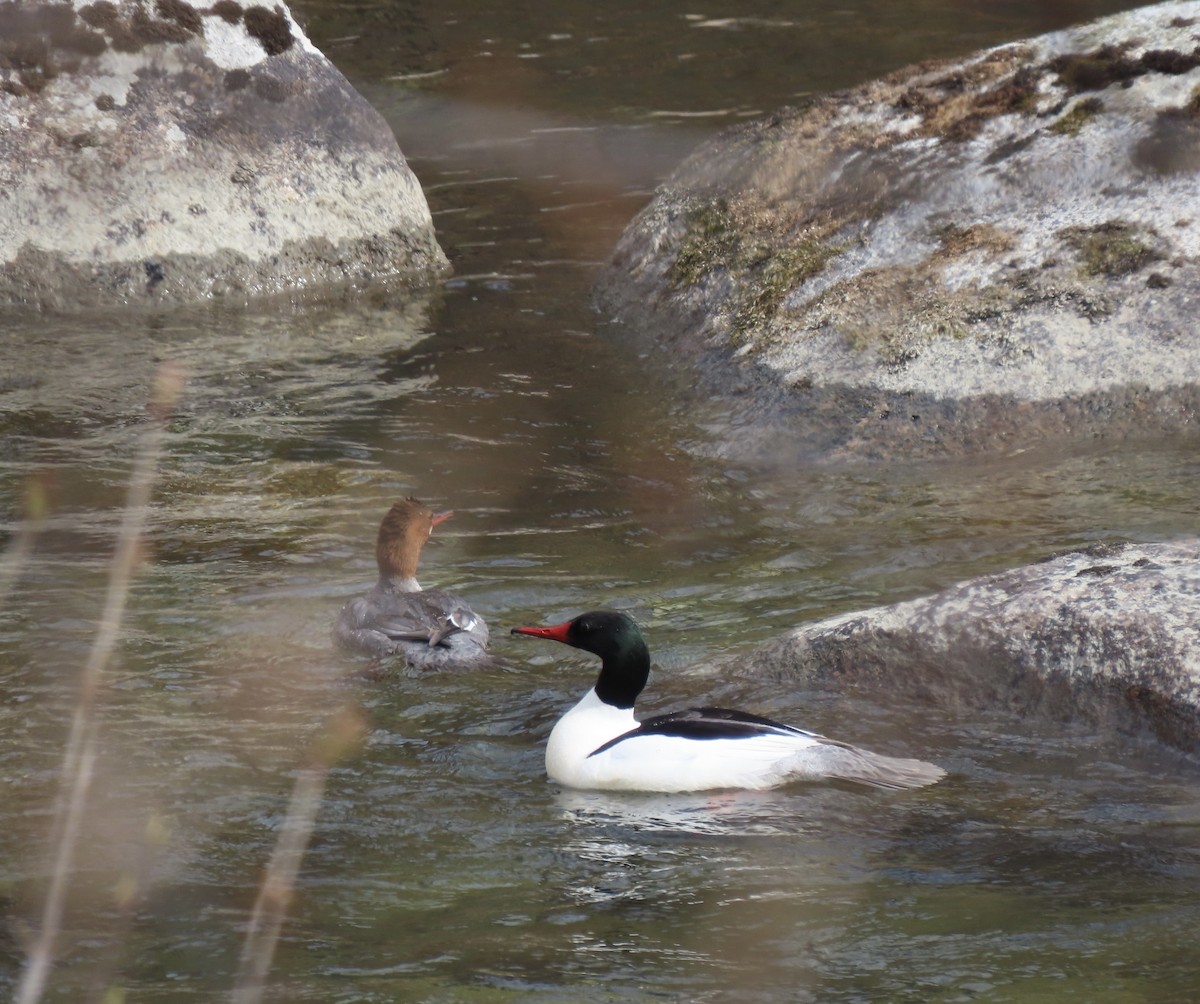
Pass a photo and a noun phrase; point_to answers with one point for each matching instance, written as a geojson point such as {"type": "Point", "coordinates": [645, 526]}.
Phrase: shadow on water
{"type": "Point", "coordinates": [1054, 864]}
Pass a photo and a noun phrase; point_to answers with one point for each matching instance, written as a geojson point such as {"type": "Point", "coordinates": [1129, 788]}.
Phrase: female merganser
{"type": "Point", "coordinates": [599, 744]}
{"type": "Point", "coordinates": [432, 629]}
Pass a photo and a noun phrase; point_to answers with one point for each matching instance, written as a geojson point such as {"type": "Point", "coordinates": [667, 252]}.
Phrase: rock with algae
{"type": "Point", "coordinates": [1001, 243]}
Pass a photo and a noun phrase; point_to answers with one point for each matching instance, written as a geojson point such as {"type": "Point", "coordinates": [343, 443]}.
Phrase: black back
{"type": "Point", "coordinates": [707, 723]}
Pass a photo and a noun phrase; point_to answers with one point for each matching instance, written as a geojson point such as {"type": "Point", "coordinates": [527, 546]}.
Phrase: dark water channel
{"type": "Point", "coordinates": [1056, 864]}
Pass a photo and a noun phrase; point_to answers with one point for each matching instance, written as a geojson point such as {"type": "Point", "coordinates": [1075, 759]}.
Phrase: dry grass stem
{"type": "Point", "coordinates": [80, 758]}
{"type": "Point", "coordinates": [15, 557]}
{"type": "Point", "coordinates": [343, 735]}
{"type": "Point", "coordinates": [270, 909]}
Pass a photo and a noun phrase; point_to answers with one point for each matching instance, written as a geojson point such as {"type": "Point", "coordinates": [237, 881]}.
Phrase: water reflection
{"type": "Point", "coordinates": [442, 857]}
{"type": "Point", "coordinates": [710, 814]}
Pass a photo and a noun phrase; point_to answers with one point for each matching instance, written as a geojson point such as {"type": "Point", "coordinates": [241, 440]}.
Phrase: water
{"type": "Point", "coordinates": [1055, 864]}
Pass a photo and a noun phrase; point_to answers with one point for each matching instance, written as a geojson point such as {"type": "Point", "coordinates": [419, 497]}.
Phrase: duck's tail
{"type": "Point", "coordinates": [849, 763]}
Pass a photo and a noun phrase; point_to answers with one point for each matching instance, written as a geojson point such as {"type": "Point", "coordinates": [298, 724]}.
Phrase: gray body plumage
{"type": "Point", "coordinates": [432, 629]}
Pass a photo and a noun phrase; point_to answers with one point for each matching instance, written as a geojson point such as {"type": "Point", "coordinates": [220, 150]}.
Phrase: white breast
{"type": "Point", "coordinates": [586, 727]}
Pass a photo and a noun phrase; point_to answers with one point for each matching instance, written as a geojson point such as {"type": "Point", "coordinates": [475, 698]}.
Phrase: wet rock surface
{"type": "Point", "coordinates": [161, 152]}
{"type": "Point", "coordinates": [1110, 634]}
{"type": "Point", "coordinates": [961, 256]}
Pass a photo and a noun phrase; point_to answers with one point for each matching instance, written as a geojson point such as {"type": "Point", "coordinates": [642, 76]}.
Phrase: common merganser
{"type": "Point", "coordinates": [432, 629]}
{"type": "Point", "coordinates": [599, 744]}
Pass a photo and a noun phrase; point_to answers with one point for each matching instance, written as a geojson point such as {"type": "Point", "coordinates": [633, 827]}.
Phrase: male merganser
{"type": "Point", "coordinates": [432, 629]}
{"type": "Point", "coordinates": [598, 744]}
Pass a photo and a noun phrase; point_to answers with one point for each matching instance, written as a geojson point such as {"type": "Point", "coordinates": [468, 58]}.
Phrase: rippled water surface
{"type": "Point", "coordinates": [1055, 864]}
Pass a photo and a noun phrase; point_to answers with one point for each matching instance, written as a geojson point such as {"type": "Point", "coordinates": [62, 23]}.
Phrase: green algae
{"type": "Point", "coordinates": [1080, 114]}
{"type": "Point", "coordinates": [712, 241]}
{"type": "Point", "coordinates": [762, 270]}
{"type": "Point", "coordinates": [1111, 249]}
{"type": "Point", "coordinates": [775, 276]}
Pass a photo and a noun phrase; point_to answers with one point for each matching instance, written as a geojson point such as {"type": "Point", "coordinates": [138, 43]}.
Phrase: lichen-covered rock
{"type": "Point", "coordinates": [165, 152]}
{"type": "Point", "coordinates": [1109, 634]}
{"type": "Point", "coordinates": [1015, 233]}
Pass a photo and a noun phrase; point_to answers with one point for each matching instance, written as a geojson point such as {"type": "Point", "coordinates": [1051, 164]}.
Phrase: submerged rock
{"type": "Point", "coordinates": [164, 152]}
{"type": "Point", "coordinates": [962, 254]}
{"type": "Point", "coordinates": [1110, 634]}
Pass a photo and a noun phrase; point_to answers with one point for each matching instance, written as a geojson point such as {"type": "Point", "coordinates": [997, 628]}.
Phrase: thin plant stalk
{"type": "Point", "coordinates": [275, 893]}
{"type": "Point", "coordinates": [79, 761]}
{"type": "Point", "coordinates": [278, 885]}
{"type": "Point", "coordinates": [19, 549]}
